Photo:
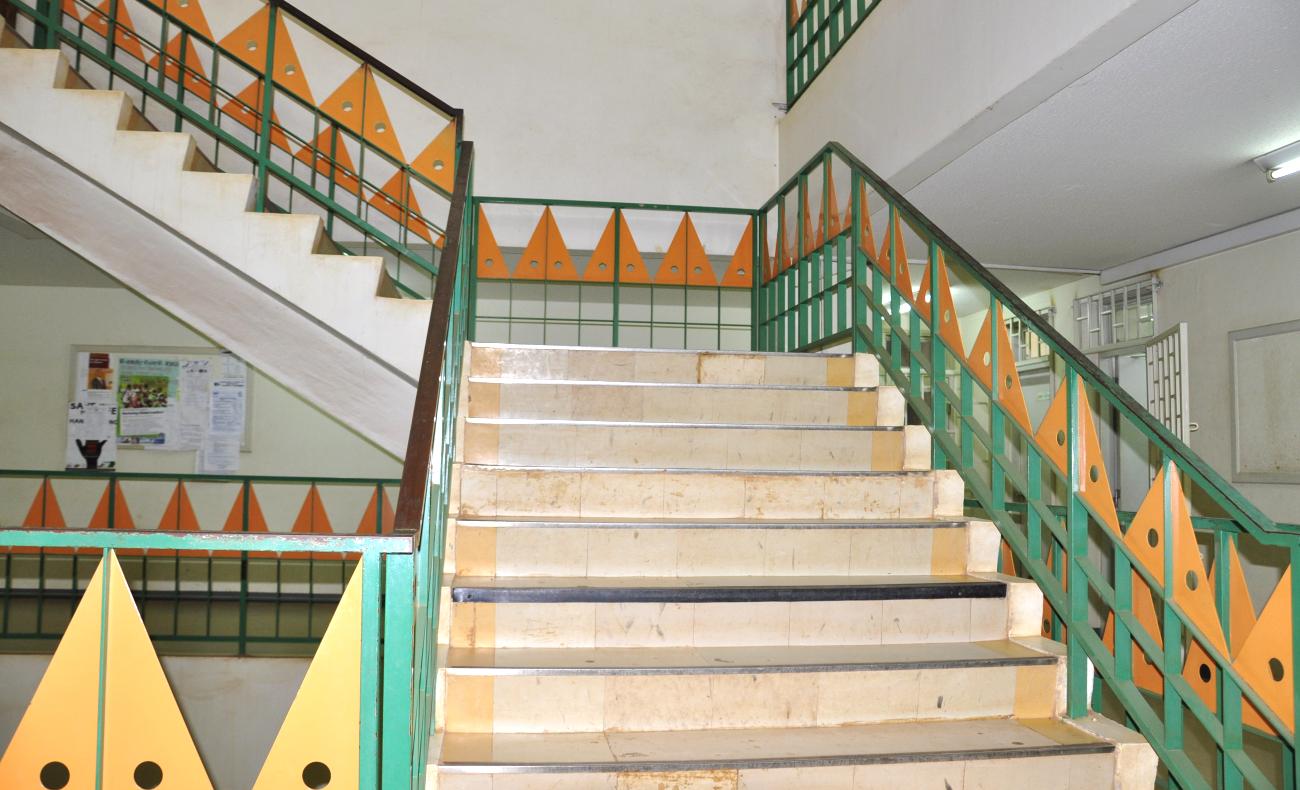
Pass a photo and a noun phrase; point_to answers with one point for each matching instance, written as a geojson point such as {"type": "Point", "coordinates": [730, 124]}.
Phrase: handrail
{"type": "Point", "coordinates": [416, 468]}
{"type": "Point", "coordinates": [814, 35]}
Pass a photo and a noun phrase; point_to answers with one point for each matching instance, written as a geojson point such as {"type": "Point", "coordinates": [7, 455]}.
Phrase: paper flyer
{"type": "Point", "coordinates": [218, 455]}
{"type": "Point", "coordinates": [97, 382]}
{"type": "Point", "coordinates": [91, 430]}
{"type": "Point", "coordinates": [148, 407]}
{"type": "Point", "coordinates": [195, 384]}
{"type": "Point", "coordinates": [227, 407]}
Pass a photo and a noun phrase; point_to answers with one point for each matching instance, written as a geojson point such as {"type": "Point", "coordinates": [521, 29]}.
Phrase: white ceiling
{"type": "Point", "coordinates": [1150, 150]}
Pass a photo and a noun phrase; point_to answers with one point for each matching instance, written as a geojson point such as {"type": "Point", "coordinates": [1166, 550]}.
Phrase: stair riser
{"type": "Point", "coordinates": [729, 624]}
{"type": "Point", "coordinates": [684, 367]}
{"type": "Point", "coordinates": [668, 552]}
{"type": "Point", "coordinates": [582, 446]}
{"type": "Point", "coordinates": [594, 703]}
{"type": "Point", "coordinates": [1064, 772]}
{"type": "Point", "coordinates": [702, 404]}
{"type": "Point", "coordinates": [485, 491]}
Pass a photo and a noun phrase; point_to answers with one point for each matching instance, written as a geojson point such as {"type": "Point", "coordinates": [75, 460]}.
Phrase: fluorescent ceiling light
{"type": "Point", "coordinates": [1281, 163]}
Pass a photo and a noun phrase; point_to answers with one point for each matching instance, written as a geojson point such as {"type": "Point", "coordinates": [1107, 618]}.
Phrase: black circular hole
{"type": "Point", "coordinates": [1093, 474]}
{"type": "Point", "coordinates": [148, 775]}
{"type": "Point", "coordinates": [488, 261]}
{"type": "Point", "coordinates": [1275, 669]}
{"type": "Point", "coordinates": [55, 776]}
{"type": "Point", "coordinates": [1206, 675]}
{"type": "Point", "coordinates": [1008, 381]}
{"type": "Point", "coordinates": [1060, 438]}
{"type": "Point", "coordinates": [1153, 538]}
{"type": "Point", "coordinates": [316, 775]}
{"type": "Point", "coordinates": [1047, 625]}
{"type": "Point", "coordinates": [1192, 581]}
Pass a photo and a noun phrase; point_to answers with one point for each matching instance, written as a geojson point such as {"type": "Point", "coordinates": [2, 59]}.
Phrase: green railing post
{"type": "Point", "coordinates": [1077, 532]}
{"type": "Point", "coordinates": [1172, 663]}
{"type": "Point", "coordinates": [370, 669]}
{"type": "Point", "coordinates": [618, 274]}
{"type": "Point", "coordinates": [938, 365]}
{"type": "Point", "coordinates": [268, 104]}
{"type": "Point", "coordinates": [398, 678]}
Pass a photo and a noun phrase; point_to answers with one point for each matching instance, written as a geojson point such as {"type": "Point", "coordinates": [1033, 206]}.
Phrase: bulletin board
{"type": "Point", "coordinates": [159, 399]}
{"type": "Point", "coordinates": [1265, 366]}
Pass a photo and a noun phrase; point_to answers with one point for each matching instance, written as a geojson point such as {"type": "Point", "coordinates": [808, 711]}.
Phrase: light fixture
{"type": "Point", "coordinates": [1281, 163]}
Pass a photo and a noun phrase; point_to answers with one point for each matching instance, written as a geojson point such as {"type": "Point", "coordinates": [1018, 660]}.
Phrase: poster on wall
{"type": "Point", "coordinates": [148, 406]}
{"type": "Point", "coordinates": [98, 382]}
{"type": "Point", "coordinates": [92, 433]}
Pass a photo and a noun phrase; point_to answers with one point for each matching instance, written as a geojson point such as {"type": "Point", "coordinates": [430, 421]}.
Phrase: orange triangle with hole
{"type": "Point", "coordinates": [491, 261]}
{"type": "Point", "coordinates": [1241, 618]}
{"type": "Point", "coordinates": [1145, 674]}
{"type": "Point", "coordinates": [1010, 394]}
{"type": "Point", "coordinates": [389, 199]}
{"type": "Point", "coordinates": [546, 257]}
{"type": "Point", "coordinates": [235, 523]}
{"type": "Point", "coordinates": [833, 203]}
{"type": "Point", "coordinates": [142, 722]}
{"type": "Point", "coordinates": [248, 43]}
{"type": "Point", "coordinates": [740, 272]}
{"type": "Point", "coordinates": [1202, 674]}
{"type": "Point", "coordinates": [629, 257]}
{"type": "Point", "coordinates": [344, 172]}
{"type": "Point", "coordinates": [190, 14]}
{"type": "Point", "coordinates": [178, 516]}
{"type": "Point", "coordinates": [312, 520]}
{"type": "Point", "coordinates": [121, 518]}
{"type": "Point", "coordinates": [196, 79]}
{"type": "Point", "coordinates": [685, 261]}
{"type": "Point", "coordinates": [323, 724]}
{"type": "Point", "coordinates": [125, 36]}
{"type": "Point", "coordinates": [868, 240]}
{"type": "Point", "coordinates": [811, 238]}
{"type": "Point", "coordinates": [1146, 537]}
{"type": "Point", "coordinates": [903, 275]}
{"type": "Point", "coordinates": [769, 263]}
{"type": "Point", "coordinates": [787, 256]}
{"type": "Point", "coordinates": [358, 105]}
{"type": "Point", "coordinates": [246, 110]}
{"type": "Point", "coordinates": [1265, 659]}
{"type": "Point", "coordinates": [949, 331]}
{"type": "Point", "coordinates": [437, 162]}
{"type": "Point", "coordinates": [1052, 438]}
{"type": "Point", "coordinates": [44, 513]}
{"type": "Point", "coordinates": [70, 8]}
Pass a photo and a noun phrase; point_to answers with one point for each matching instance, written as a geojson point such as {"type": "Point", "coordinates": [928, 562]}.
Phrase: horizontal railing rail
{"type": "Point", "coordinates": [816, 30]}
{"type": "Point", "coordinates": [1183, 654]}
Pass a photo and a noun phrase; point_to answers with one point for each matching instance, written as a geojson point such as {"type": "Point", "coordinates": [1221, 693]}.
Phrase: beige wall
{"type": "Point", "coordinates": [41, 324]}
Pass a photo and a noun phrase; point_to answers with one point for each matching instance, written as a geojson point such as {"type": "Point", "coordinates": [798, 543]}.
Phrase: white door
{"type": "Point", "coordinates": [1167, 381]}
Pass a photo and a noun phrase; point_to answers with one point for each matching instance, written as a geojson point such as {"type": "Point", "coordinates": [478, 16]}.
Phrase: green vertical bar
{"type": "Point", "coordinates": [268, 102]}
{"type": "Point", "coordinates": [1171, 659]}
{"type": "Point", "coordinates": [369, 735]}
{"type": "Point", "coordinates": [243, 573]}
{"type": "Point", "coordinates": [104, 588]}
{"type": "Point", "coordinates": [757, 231]}
{"type": "Point", "coordinates": [44, 36]}
{"type": "Point", "coordinates": [1229, 693]}
{"type": "Point", "coordinates": [895, 297]}
{"type": "Point", "coordinates": [997, 428]}
{"type": "Point", "coordinates": [938, 366]}
{"type": "Point", "coordinates": [1076, 691]}
{"type": "Point", "coordinates": [859, 263]}
{"type": "Point", "coordinates": [1293, 764]}
{"type": "Point", "coordinates": [967, 415]}
{"type": "Point", "coordinates": [398, 688]}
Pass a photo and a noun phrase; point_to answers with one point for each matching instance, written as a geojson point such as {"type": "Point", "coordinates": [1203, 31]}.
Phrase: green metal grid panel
{"type": "Point", "coordinates": [815, 34]}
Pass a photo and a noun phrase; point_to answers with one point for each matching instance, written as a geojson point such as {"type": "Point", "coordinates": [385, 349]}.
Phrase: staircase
{"type": "Point", "coordinates": [146, 207]}
{"type": "Point", "coordinates": [681, 570]}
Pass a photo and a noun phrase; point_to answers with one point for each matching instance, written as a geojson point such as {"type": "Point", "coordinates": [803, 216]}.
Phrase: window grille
{"type": "Point", "coordinates": [1120, 315]}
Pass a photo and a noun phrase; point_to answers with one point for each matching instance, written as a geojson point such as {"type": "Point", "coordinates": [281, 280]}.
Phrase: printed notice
{"type": "Point", "coordinates": [226, 408]}
{"type": "Point", "coordinates": [92, 427]}
{"type": "Point", "coordinates": [196, 383]}
{"type": "Point", "coordinates": [218, 455]}
{"type": "Point", "coordinates": [147, 400]}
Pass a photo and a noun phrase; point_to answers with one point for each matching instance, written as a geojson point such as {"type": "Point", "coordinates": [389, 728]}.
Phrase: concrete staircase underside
{"type": "Point", "coordinates": [143, 206]}
{"type": "Point", "coordinates": [679, 571]}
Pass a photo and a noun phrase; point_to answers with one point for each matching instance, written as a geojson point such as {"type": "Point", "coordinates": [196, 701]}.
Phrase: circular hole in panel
{"type": "Point", "coordinates": [740, 272]}
{"type": "Point", "coordinates": [148, 775]}
{"type": "Point", "coordinates": [380, 127]}
{"type": "Point", "coordinates": [629, 267]}
{"type": "Point", "coordinates": [986, 357]}
{"type": "Point", "coordinates": [698, 270]}
{"type": "Point", "coordinates": [926, 298]}
{"type": "Point", "coordinates": [488, 261]}
{"type": "Point", "coordinates": [1191, 580]}
{"type": "Point", "coordinates": [316, 775]}
{"type": "Point", "coordinates": [558, 264]}
{"type": "Point", "coordinates": [673, 270]}
{"type": "Point", "coordinates": [602, 266]}
{"type": "Point", "coordinates": [1047, 626]}
{"type": "Point", "coordinates": [438, 165]}
{"type": "Point", "coordinates": [1008, 382]}
{"type": "Point", "coordinates": [290, 69]}
{"type": "Point", "coordinates": [184, 3]}
{"type": "Point", "coordinates": [1276, 669]}
{"type": "Point", "coordinates": [1153, 538]}
{"type": "Point", "coordinates": [347, 106]}
{"type": "Point", "coordinates": [55, 776]}
{"type": "Point", "coordinates": [947, 316]}
{"type": "Point", "coordinates": [533, 264]}
{"type": "Point", "coordinates": [1093, 474]}
{"type": "Point", "coordinates": [1060, 438]}
{"type": "Point", "coordinates": [1205, 673]}
{"type": "Point", "coordinates": [250, 45]}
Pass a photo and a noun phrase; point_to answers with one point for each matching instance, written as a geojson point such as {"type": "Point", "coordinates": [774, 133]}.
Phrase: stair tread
{"type": "Point", "coordinates": [622, 349]}
{"type": "Point", "coordinates": [696, 470]}
{"type": "Point", "coordinates": [895, 742]}
{"type": "Point", "coordinates": [762, 426]}
{"type": "Point", "coordinates": [718, 589]}
{"type": "Point", "coordinates": [563, 382]}
{"type": "Point", "coordinates": [742, 660]}
{"type": "Point", "coordinates": [500, 521]}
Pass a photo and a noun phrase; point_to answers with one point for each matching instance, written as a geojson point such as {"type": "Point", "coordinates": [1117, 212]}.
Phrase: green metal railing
{"type": "Point", "coordinates": [816, 30]}
{"type": "Point", "coordinates": [610, 283]}
{"type": "Point", "coordinates": [191, 601]}
{"type": "Point", "coordinates": [1177, 670]}
{"type": "Point", "coordinates": [244, 103]}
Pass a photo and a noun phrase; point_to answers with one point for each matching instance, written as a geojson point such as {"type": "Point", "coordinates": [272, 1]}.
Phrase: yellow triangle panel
{"type": "Point", "coordinates": [1265, 659]}
{"type": "Point", "coordinates": [320, 735]}
{"type": "Point", "coordinates": [145, 735]}
{"type": "Point", "coordinates": [491, 261]}
{"type": "Point", "coordinates": [948, 328]}
{"type": "Point", "coordinates": [1010, 394]}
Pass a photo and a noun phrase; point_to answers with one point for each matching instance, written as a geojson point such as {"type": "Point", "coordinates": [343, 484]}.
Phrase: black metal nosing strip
{"type": "Point", "coordinates": [728, 594]}
{"type": "Point", "coordinates": [759, 763]}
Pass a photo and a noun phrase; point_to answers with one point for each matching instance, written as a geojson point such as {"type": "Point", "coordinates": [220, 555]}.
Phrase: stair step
{"type": "Point", "coordinates": [715, 589]}
{"type": "Point", "coordinates": [485, 490]}
{"type": "Point", "coordinates": [984, 753]}
{"type": "Point", "coordinates": [691, 402]}
{"type": "Point", "coordinates": [684, 367]}
{"type": "Point", "coordinates": [741, 547]}
{"type": "Point", "coordinates": [681, 445]}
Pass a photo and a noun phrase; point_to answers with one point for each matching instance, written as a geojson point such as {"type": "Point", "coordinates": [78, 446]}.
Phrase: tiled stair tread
{"type": "Point", "coordinates": [719, 589]}
{"type": "Point", "coordinates": [662, 384]}
{"type": "Point", "coordinates": [658, 470]}
{"type": "Point", "coordinates": [740, 660]}
{"type": "Point", "coordinates": [506, 521]}
{"type": "Point", "coordinates": [902, 742]}
{"type": "Point", "coordinates": [621, 349]}
{"type": "Point", "coordinates": [758, 426]}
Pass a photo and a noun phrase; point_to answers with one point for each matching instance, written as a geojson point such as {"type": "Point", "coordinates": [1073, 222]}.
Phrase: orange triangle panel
{"type": "Point", "coordinates": [600, 268]}
{"type": "Point", "coordinates": [246, 109]}
{"type": "Point", "coordinates": [341, 169]}
{"type": "Point", "coordinates": [43, 513]}
{"type": "Point", "coordinates": [885, 261]}
{"type": "Point", "coordinates": [367, 525]}
{"type": "Point", "coordinates": [546, 257]}
{"type": "Point", "coordinates": [396, 200]}
{"type": "Point", "coordinates": [324, 721]}
{"type": "Point", "coordinates": [235, 523]}
{"type": "Point", "coordinates": [1241, 618]}
{"type": "Point", "coordinates": [121, 517]}
{"type": "Point", "coordinates": [1052, 438]}
{"type": "Point", "coordinates": [312, 520]}
{"type": "Point", "coordinates": [949, 331]}
{"type": "Point", "coordinates": [142, 722]}
{"type": "Point", "coordinates": [247, 42]}
{"type": "Point", "coordinates": [437, 162]}
{"type": "Point", "coordinates": [491, 261]}
{"type": "Point", "coordinates": [740, 272]}
{"type": "Point", "coordinates": [1144, 672]}
{"type": "Point", "coordinates": [1265, 660]}
{"type": "Point", "coordinates": [359, 107]}
{"type": "Point", "coordinates": [1010, 394]}
{"type": "Point", "coordinates": [833, 203]}
{"type": "Point", "coordinates": [868, 240]}
{"type": "Point", "coordinates": [125, 36]}
{"type": "Point", "coordinates": [178, 517]}
{"type": "Point", "coordinates": [811, 238]}
{"type": "Point", "coordinates": [196, 79]}
{"type": "Point", "coordinates": [685, 262]}
{"type": "Point", "coordinates": [190, 13]}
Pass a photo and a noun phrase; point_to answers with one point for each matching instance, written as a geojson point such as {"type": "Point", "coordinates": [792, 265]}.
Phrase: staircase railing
{"type": "Point", "coordinates": [248, 98]}
{"type": "Point", "coordinates": [816, 29]}
{"type": "Point", "coordinates": [1180, 653]}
